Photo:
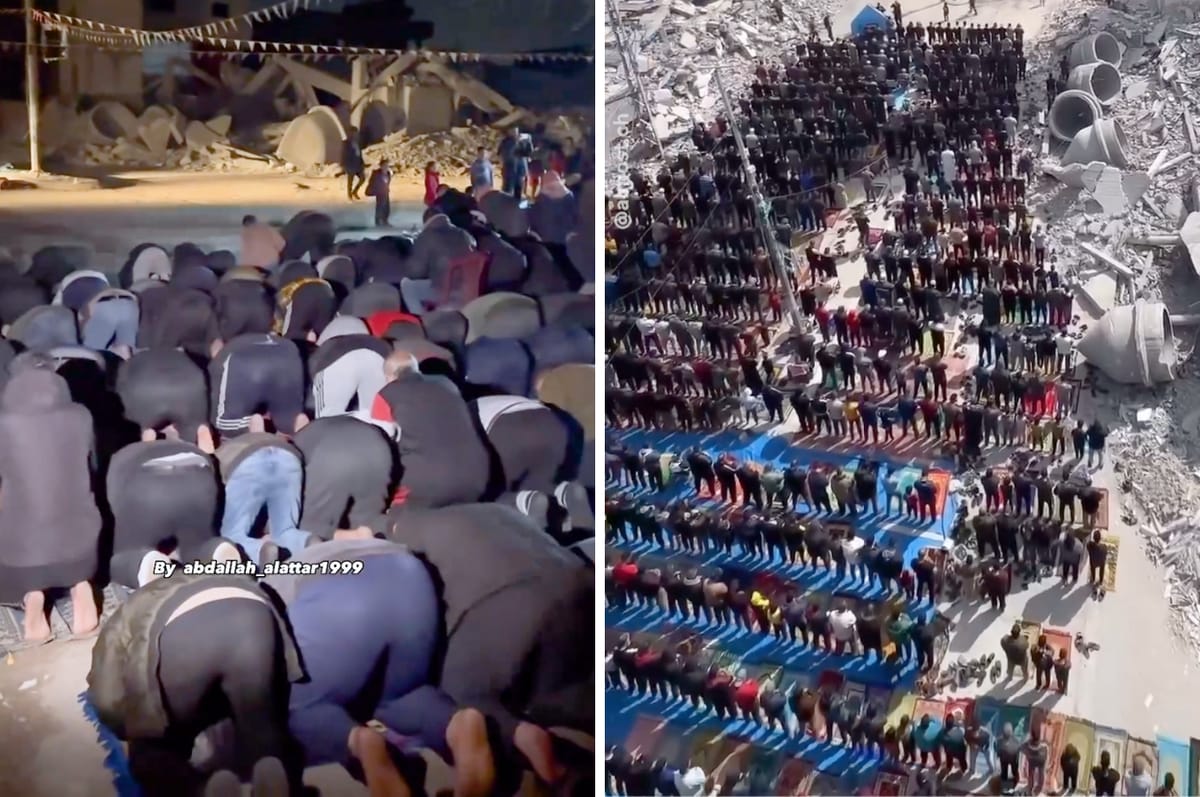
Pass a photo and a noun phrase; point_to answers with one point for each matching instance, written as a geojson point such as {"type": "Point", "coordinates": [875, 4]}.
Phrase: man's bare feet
{"type": "Point", "coordinates": [383, 779]}
{"type": "Point", "coordinates": [360, 533]}
{"type": "Point", "coordinates": [205, 441]}
{"type": "Point", "coordinates": [84, 612]}
{"type": "Point", "coordinates": [538, 748]}
{"type": "Point", "coordinates": [149, 435]}
{"type": "Point", "coordinates": [301, 422]}
{"type": "Point", "coordinates": [258, 424]}
{"type": "Point", "coordinates": [171, 433]}
{"type": "Point", "coordinates": [37, 626]}
{"type": "Point", "coordinates": [474, 766]}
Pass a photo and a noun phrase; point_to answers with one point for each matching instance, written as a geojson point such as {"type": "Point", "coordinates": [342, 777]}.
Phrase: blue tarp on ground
{"type": "Point", "coordinates": [867, 18]}
{"type": "Point", "coordinates": [909, 536]}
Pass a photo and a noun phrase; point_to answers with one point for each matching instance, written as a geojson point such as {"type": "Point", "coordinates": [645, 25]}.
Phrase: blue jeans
{"type": "Point", "coordinates": [514, 182]}
{"type": "Point", "coordinates": [271, 477]}
{"type": "Point", "coordinates": [111, 322]}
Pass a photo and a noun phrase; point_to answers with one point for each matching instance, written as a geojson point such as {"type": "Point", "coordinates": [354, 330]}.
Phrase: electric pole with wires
{"type": "Point", "coordinates": [645, 115]}
{"type": "Point", "coordinates": [764, 214]}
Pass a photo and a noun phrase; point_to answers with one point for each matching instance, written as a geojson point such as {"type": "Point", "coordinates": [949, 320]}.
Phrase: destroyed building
{"type": "Point", "coordinates": [202, 101]}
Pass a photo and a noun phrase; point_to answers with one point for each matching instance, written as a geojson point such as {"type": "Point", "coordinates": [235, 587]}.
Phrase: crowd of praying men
{"type": "Point", "coordinates": [697, 299]}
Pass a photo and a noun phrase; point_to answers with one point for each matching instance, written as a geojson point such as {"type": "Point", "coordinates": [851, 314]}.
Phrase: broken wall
{"type": "Point", "coordinates": [103, 75]}
{"type": "Point", "coordinates": [429, 109]}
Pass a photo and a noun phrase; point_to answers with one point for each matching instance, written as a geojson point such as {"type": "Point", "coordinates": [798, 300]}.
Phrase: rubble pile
{"type": "Point", "coordinates": [676, 46]}
{"type": "Point", "coordinates": [452, 151]}
{"type": "Point", "coordinates": [272, 118]}
{"type": "Point", "coordinates": [1124, 177]}
{"type": "Point", "coordinates": [1176, 548]}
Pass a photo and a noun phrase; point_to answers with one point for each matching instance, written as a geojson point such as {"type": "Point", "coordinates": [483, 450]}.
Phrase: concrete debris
{"type": "Point", "coordinates": [272, 118]}
{"type": "Point", "coordinates": [732, 34]}
{"type": "Point", "coordinates": [451, 150]}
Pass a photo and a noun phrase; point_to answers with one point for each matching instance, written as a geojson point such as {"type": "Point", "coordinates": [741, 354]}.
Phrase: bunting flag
{"type": "Point", "coordinates": [75, 39]}
{"type": "Point", "coordinates": [118, 37]}
{"type": "Point", "coordinates": [280, 10]}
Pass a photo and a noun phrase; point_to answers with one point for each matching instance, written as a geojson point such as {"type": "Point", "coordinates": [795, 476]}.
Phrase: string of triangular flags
{"type": "Point", "coordinates": [116, 37]}
{"type": "Point", "coordinates": [281, 10]}
{"type": "Point", "coordinates": [246, 48]}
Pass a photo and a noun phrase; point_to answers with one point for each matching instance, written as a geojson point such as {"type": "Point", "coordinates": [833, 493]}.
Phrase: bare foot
{"type": "Point", "coordinates": [171, 433]}
{"type": "Point", "coordinates": [474, 767]}
{"type": "Point", "coordinates": [37, 626]}
{"type": "Point", "coordinates": [86, 617]}
{"type": "Point", "coordinates": [360, 533]}
{"type": "Point", "coordinates": [258, 424]}
{"type": "Point", "coordinates": [205, 441]}
{"type": "Point", "coordinates": [538, 748]}
{"type": "Point", "coordinates": [383, 779]}
{"type": "Point", "coordinates": [149, 435]}
{"type": "Point", "coordinates": [301, 421]}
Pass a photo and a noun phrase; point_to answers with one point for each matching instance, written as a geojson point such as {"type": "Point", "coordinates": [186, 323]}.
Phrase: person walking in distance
{"type": "Point", "coordinates": [352, 164]}
{"type": "Point", "coordinates": [380, 187]}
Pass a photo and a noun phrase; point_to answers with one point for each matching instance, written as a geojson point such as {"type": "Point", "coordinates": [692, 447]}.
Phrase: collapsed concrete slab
{"type": "Point", "coordinates": [1103, 141]}
{"type": "Point", "coordinates": [1096, 47]}
{"type": "Point", "coordinates": [1101, 79]}
{"type": "Point", "coordinates": [1116, 192]}
{"type": "Point", "coordinates": [156, 135]}
{"type": "Point", "coordinates": [313, 139]}
{"type": "Point", "coordinates": [1133, 344]}
{"type": "Point", "coordinates": [430, 110]}
{"type": "Point", "coordinates": [1072, 111]}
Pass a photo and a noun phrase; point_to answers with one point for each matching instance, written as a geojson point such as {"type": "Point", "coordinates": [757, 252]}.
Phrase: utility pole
{"type": "Point", "coordinates": [764, 217]}
{"type": "Point", "coordinates": [634, 79]}
{"type": "Point", "coordinates": [31, 89]}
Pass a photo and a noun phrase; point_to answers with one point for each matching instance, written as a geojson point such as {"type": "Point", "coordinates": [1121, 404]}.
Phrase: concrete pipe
{"type": "Point", "coordinates": [1072, 111]}
{"type": "Point", "coordinates": [1100, 78]}
{"type": "Point", "coordinates": [1097, 47]}
{"type": "Point", "coordinates": [111, 120]}
{"type": "Point", "coordinates": [313, 139]}
{"type": "Point", "coordinates": [1133, 344]}
{"type": "Point", "coordinates": [1103, 141]}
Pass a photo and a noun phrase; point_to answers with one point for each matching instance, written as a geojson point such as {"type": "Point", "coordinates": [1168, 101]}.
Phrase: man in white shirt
{"type": "Point", "coordinates": [1064, 346]}
{"type": "Point", "coordinates": [751, 405]}
{"type": "Point", "coordinates": [843, 623]}
{"type": "Point", "coordinates": [691, 782]}
{"type": "Point", "coordinates": [851, 547]}
{"type": "Point", "coordinates": [648, 329]}
{"type": "Point", "coordinates": [663, 336]}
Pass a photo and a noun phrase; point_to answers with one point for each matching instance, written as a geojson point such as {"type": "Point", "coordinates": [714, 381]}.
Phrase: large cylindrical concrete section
{"type": "Point", "coordinates": [1101, 79]}
{"type": "Point", "coordinates": [1072, 111]}
{"type": "Point", "coordinates": [1133, 344]}
{"type": "Point", "coordinates": [1097, 47]}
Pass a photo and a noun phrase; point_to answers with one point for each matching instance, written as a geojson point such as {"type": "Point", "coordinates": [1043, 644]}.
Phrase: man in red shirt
{"type": "Point", "coordinates": [745, 696]}
{"type": "Point", "coordinates": [625, 576]}
{"type": "Point", "coordinates": [719, 694]}
{"type": "Point", "coordinates": [823, 321]}
{"type": "Point", "coordinates": [854, 327]}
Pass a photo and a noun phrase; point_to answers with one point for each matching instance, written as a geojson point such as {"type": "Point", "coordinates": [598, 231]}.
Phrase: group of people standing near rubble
{"type": "Point", "coordinates": [312, 408]}
{"type": "Point", "coordinates": [531, 165]}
